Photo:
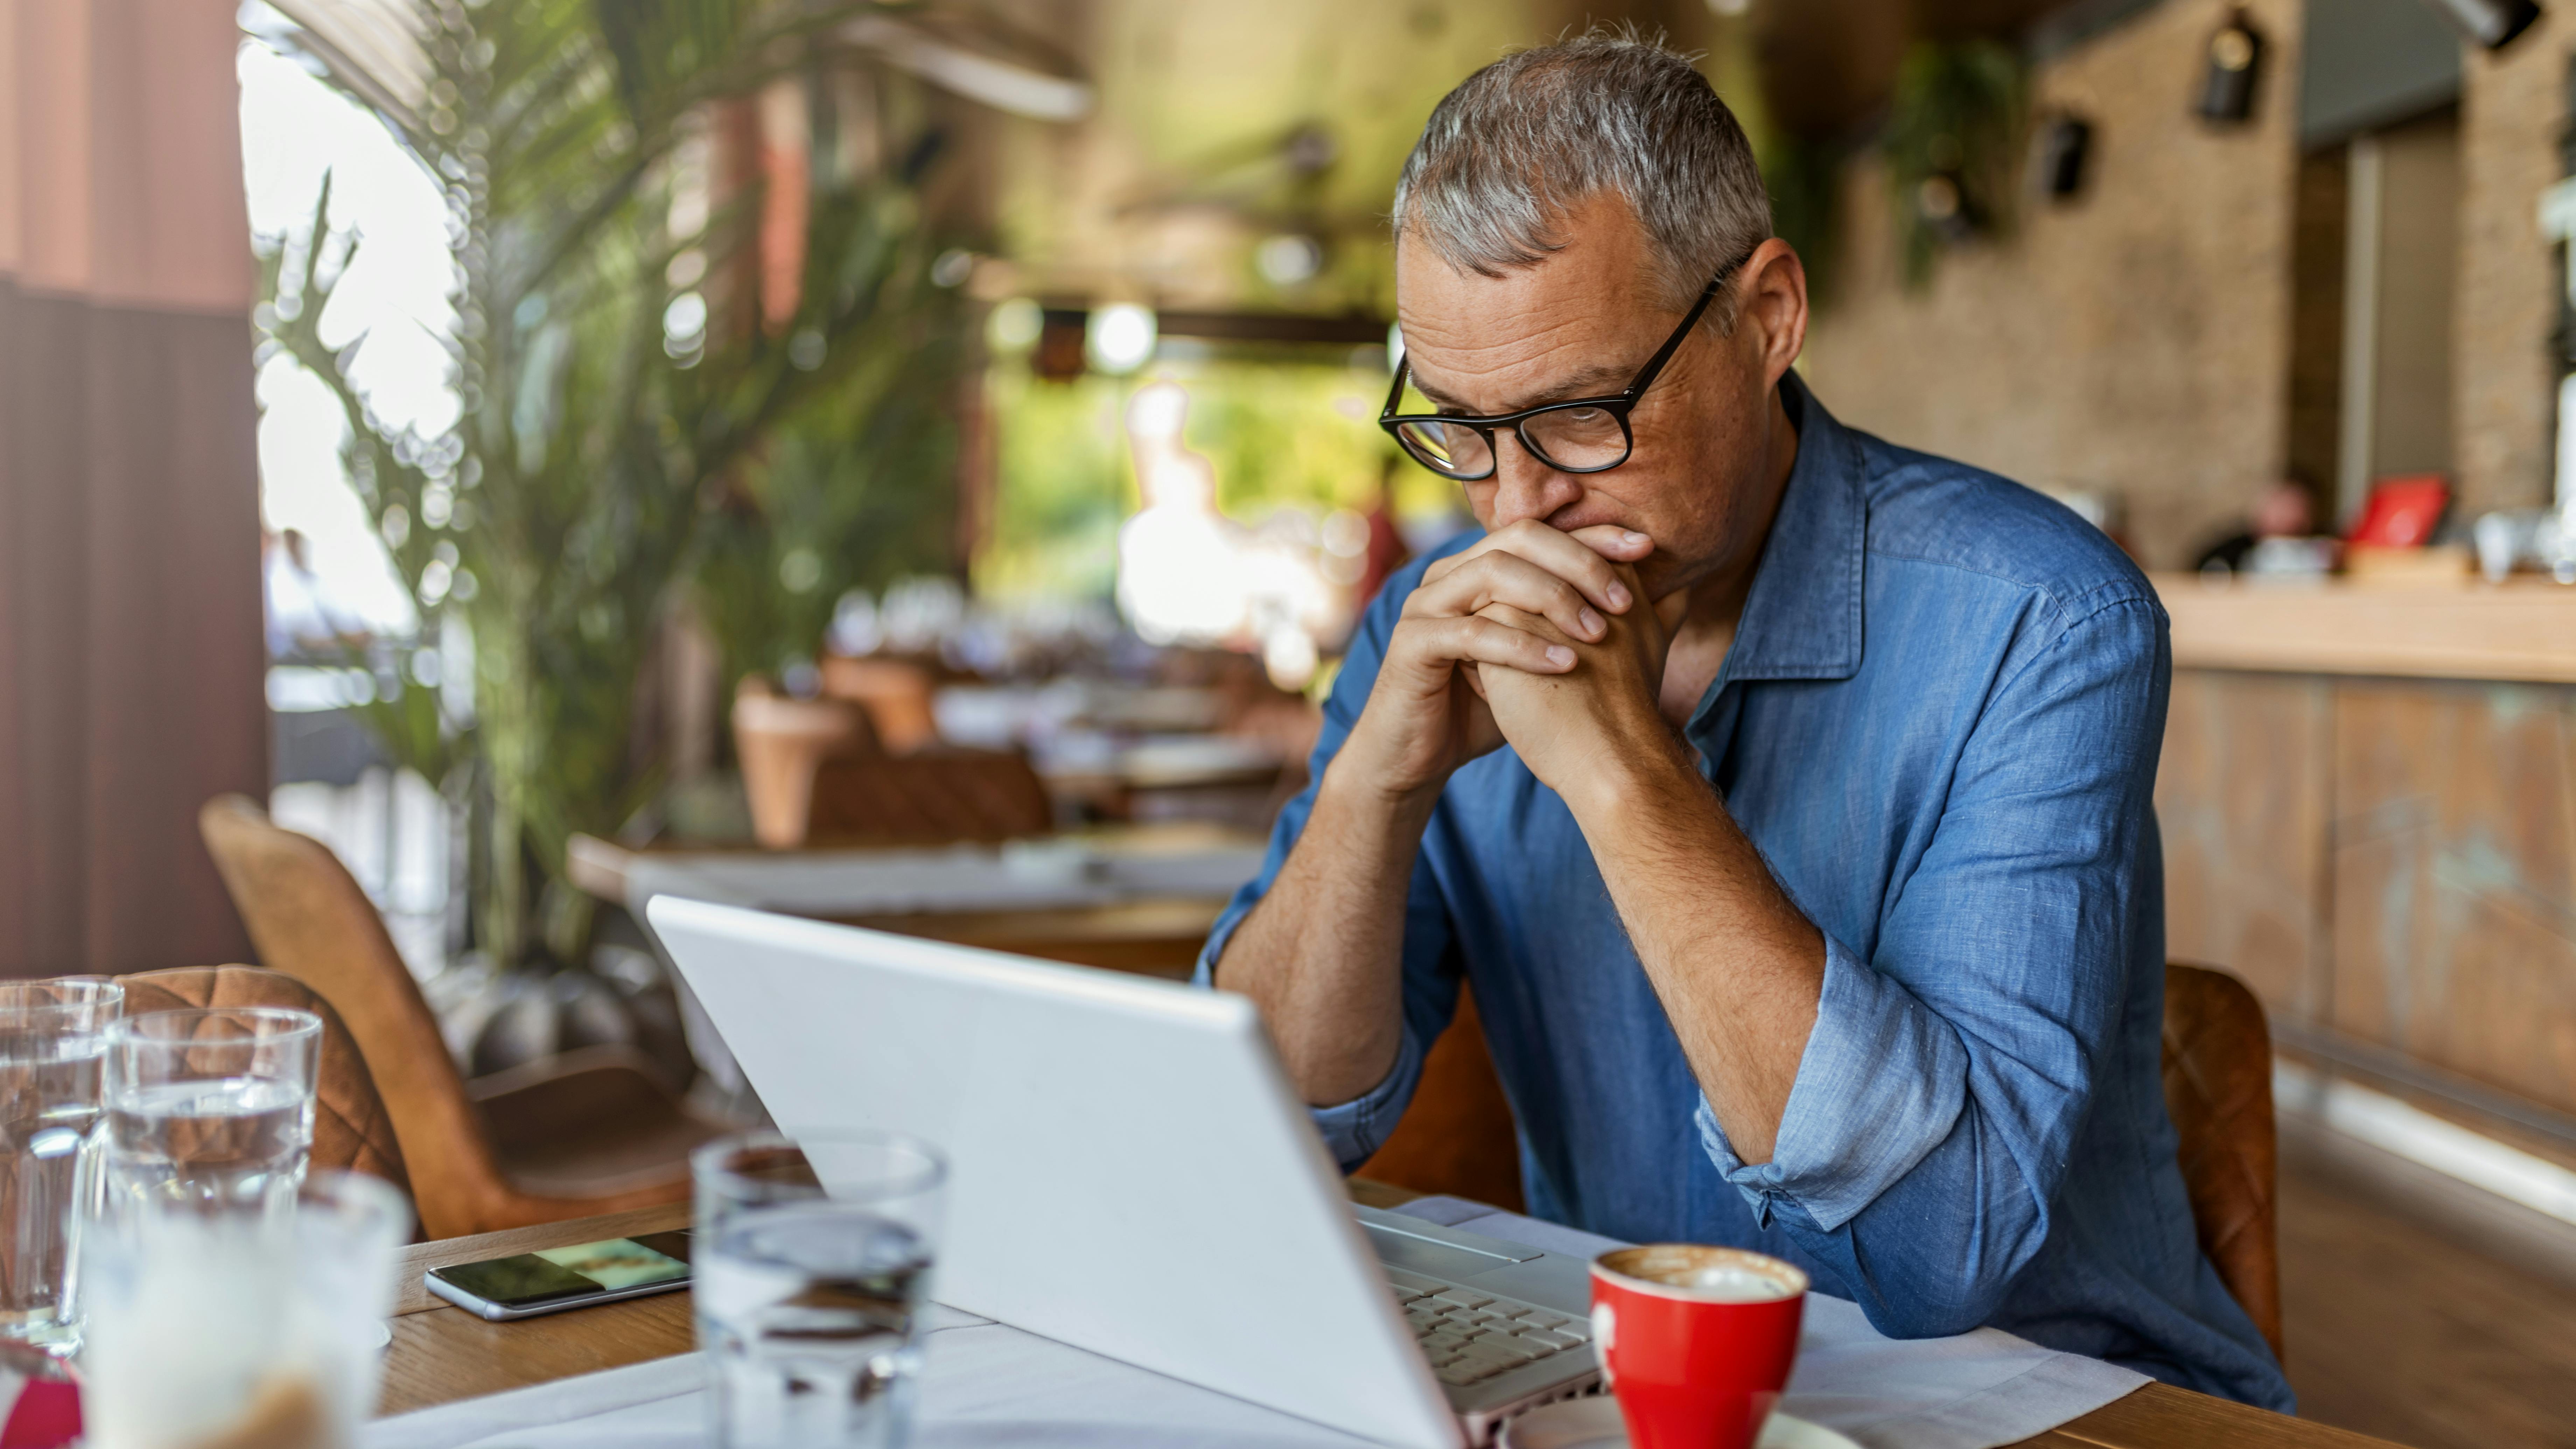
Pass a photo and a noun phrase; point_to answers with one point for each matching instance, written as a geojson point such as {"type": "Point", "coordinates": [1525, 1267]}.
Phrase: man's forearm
{"type": "Point", "coordinates": [1322, 955]}
{"type": "Point", "coordinates": [1738, 969]}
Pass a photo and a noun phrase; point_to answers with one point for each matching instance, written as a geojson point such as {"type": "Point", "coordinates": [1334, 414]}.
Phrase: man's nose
{"type": "Point", "coordinates": [1525, 487]}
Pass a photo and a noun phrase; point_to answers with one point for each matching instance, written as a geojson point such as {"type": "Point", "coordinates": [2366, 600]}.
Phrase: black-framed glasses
{"type": "Point", "coordinates": [1585, 435]}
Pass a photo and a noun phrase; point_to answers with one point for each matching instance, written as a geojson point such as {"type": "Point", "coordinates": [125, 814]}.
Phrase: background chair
{"type": "Point", "coordinates": [896, 693]}
{"type": "Point", "coordinates": [930, 798]}
{"type": "Point", "coordinates": [1457, 1136]}
{"type": "Point", "coordinates": [780, 743]}
{"type": "Point", "coordinates": [351, 1129]}
{"type": "Point", "coordinates": [592, 1131]}
{"type": "Point", "coordinates": [826, 772]}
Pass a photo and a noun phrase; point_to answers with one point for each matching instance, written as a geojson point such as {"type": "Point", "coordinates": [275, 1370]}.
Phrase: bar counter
{"type": "Point", "coordinates": [2368, 799]}
{"type": "Point", "coordinates": [2523, 630]}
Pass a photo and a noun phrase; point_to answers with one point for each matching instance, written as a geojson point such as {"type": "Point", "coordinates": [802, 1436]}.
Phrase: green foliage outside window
{"type": "Point", "coordinates": [1277, 432]}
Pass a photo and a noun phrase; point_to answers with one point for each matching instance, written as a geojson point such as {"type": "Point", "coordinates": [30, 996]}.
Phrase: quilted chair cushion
{"type": "Point", "coordinates": [350, 1127]}
{"type": "Point", "coordinates": [931, 798]}
{"type": "Point", "coordinates": [2218, 1088]}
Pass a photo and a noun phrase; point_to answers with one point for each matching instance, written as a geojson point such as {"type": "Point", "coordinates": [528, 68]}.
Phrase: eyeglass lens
{"type": "Point", "coordinates": [1575, 439]}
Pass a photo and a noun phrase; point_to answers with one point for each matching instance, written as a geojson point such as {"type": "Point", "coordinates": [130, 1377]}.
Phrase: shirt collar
{"type": "Point", "coordinates": [1802, 618]}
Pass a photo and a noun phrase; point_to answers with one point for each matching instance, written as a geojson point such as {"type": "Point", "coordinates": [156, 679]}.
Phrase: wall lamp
{"type": "Point", "coordinates": [2235, 63]}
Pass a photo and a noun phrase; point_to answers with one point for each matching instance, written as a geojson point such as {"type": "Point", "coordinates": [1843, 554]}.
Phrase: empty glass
{"type": "Point", "coordinates": [52, 1036]}
{"type": "Point", "coordinates": [812, 1260]}
{"type": "Point", "coordinates": [212, 1106]}
{"type": "Point", "coordinates": [239, 1323]}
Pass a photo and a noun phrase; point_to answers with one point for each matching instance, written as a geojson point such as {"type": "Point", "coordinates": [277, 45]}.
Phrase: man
{"type": "Point", "coordinates": [1785, 795]}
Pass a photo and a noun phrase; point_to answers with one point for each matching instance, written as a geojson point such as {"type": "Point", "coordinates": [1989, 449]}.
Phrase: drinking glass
{"type": "Point", "coordinates": [212, 1106]}
{"type": "Point", "coordinates": [52, 1036]}
{"type": "Point", "coordinates": [812, 1262]}
{"type": "Point", "coordinates": [239, 1322]}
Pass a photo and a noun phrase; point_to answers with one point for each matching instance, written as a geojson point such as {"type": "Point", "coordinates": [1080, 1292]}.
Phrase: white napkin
{"type": "Point", "coordinates": [986, 1384]}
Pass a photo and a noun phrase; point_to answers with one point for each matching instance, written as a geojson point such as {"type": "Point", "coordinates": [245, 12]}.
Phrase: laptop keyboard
{"type": "Point", "coordinates": [1470, 1337]}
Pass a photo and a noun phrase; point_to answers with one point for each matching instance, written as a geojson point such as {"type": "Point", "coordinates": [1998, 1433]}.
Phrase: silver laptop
{"type": "Point", "coordinates": [1132, 1174]}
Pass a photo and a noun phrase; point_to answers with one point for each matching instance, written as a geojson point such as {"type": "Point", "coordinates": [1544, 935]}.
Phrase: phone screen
{"type": "Point", "coordinates": [555, 1273]}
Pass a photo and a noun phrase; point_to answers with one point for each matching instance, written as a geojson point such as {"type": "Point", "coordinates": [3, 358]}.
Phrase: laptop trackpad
{"type": "Point", "coordinates": [1420, 1255]}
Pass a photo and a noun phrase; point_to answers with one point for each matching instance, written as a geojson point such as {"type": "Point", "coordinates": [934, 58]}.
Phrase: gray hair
{"type": "Point", "coordinates": [1520, 143]}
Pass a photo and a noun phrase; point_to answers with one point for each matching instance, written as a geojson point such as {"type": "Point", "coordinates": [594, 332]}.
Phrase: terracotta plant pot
{"type": "Point", "coordinates": [781, 743]}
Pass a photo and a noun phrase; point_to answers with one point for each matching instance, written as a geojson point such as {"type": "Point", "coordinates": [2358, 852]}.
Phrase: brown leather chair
{"type": "Point", "coordinates": [780, 743]}
{"type": "Point", "coordinates": [819, 772]}
{"type": "Point", "coordinates": [896, 693]}
{"type": "Point", "coordinates": [932, 797]}
{"type": "Point", "coordinates": [2218, 1088]}
{"type": "Point", "coordinates": [351, 1129]}
{"type": "Point", "coordinates": [1457, 1135]}
{"type": "Point", "coordinates": [592, 1131]}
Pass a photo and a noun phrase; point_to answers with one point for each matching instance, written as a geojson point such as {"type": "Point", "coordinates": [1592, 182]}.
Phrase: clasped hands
{"type": "Point", "coordinates": [1534, 637]}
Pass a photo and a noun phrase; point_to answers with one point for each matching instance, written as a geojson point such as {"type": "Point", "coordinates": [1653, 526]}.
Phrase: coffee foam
{"type": "Point", "coordinates": [1713, 1275]}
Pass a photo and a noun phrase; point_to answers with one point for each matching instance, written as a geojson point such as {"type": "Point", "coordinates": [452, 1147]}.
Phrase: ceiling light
{"type": "Point", "coordinates": [1120, 338]}
{"type": "Point", "coordinates": [1288, 259]}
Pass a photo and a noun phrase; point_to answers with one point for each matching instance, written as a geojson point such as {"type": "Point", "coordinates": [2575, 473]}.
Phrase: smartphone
{"type": "Point", "coordinates": [551, 1280]}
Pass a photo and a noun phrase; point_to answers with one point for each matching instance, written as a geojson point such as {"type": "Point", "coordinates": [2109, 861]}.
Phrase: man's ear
{"type": "Point", "coordinates": [1772, 307]}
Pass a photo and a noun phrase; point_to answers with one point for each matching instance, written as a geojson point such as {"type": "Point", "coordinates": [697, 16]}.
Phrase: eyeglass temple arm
{"type": "Point", "coordinates": [1672, 344]}
{"type": "Point", "coordinates": [1395, 394]}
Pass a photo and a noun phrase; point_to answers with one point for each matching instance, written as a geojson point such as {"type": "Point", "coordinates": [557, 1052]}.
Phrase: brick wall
{"type": "Point", "coordinates": [2138, 339]}
{"type": "Point", "coordinates": [2504, 388]}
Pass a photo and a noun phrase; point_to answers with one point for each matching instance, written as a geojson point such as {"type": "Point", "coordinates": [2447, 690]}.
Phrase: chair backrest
{"type": "Point", "coordinates": [351, 1129]}
{"type": "Point", "coordinates": [1457, 1136]}
{"type": "Point", "coordinates": [930, 798]}
{"type": "Point", "coordinates": [896, 694]}
{"type": "Point", "coordinates": [311, 920]}
{"type": "Point", "coordinates": [2218, 1088]}
{"type": "Point", "coordinates": [780, 743]}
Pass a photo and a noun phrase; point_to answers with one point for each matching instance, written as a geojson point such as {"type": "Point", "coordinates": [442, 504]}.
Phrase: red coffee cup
{"type": "Point", "coordinates": [1695, 1341]}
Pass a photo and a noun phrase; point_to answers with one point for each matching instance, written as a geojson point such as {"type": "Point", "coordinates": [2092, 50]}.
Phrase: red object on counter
{"type": "Point", "coordinates": [2402, 512]}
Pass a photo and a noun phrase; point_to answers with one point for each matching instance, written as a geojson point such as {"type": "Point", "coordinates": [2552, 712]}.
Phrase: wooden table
{"type": "Point", "coordinates": [441, 1353]}
{"type": "Point", "coordinates": [1152, 936]}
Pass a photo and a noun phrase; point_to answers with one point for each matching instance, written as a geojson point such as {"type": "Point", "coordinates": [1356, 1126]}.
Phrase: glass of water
{"type": "Point", "coordinates": [812, 1261]}
{"type": "Point", "coordinates": [211, 1107]}
{"type": "Point", "coordinates": [52, 1039]}
{"type": "Point", "coordinates": [242, 1323]}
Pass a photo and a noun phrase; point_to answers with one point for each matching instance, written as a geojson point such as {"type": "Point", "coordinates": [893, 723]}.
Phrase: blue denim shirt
{"type": "Point", "coordinates": [1939, 722]}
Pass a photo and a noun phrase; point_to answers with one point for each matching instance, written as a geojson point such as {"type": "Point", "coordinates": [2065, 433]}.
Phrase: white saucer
{"type": "Point", "coordinates": [1593, 1423]}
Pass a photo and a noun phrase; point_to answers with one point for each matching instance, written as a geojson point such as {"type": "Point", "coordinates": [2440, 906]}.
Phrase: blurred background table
{"type": "Point", "coordinates": [1135, 898]}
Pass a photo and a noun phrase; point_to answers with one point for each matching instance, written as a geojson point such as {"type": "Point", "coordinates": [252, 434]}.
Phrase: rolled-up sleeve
{"type": "Point", "coordinates": [1927, 1130]}
{"type": "Point", "coordinates": [1880, 1084]}
{"type": "Point", "coordinates": [1354, 1130]}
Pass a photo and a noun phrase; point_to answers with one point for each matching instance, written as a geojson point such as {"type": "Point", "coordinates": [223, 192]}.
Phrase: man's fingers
{"type": "Point", "coordinates": [1471, 640]}
{"type": "Point", "coordinates": [1507, 578]}
{"type": "Point", "coordinates": [1538, 624]}
{"type": "Point", "coordinates": [1619, 545]}
{"type": "Point", "coordinates": [1578, 562]}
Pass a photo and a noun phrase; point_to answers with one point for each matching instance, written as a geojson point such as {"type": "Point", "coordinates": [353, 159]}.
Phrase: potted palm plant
{"type": "Point", "coordinates": [626, 419]}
